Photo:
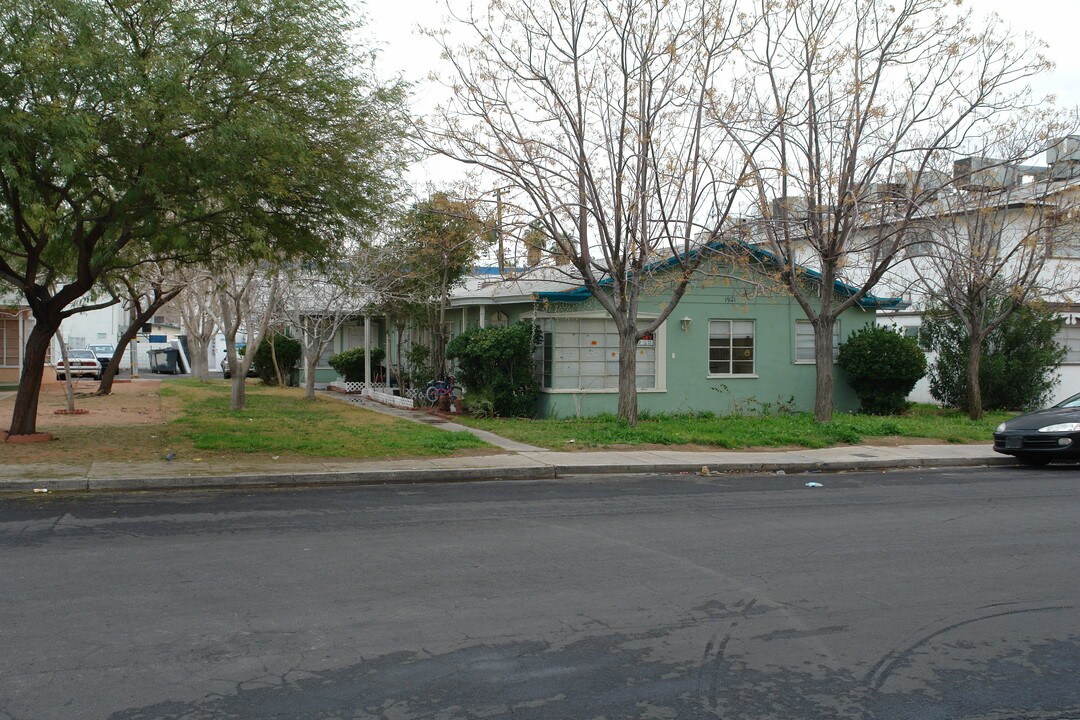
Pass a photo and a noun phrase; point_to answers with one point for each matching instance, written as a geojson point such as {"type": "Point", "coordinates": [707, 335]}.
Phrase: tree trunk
{"type": "Point", "coordinates": [107, 378]}
{"type": "Point", "coordinates": [974, 387]}
{"type": "Point", "coordinates": [200, 349]}
{"type": "Point", "coordinates": [24, 415]}
{"type": "Point", "coordinates": [273, 359]}
{"type": "Point", "coordinates": [440, 339]}
{"type": "Point", "coordinates": [824, 371]}
{"type": "Point", "coordinates": [237, 397]}
{"type": "Point", "coordinates": [141, 317]}
{"type": "Point", "coordinates": [628, 407]}
{"type": "Point", "coordinates": [69, 390]}
{"type": "Point", "coordinates": [309, 377]}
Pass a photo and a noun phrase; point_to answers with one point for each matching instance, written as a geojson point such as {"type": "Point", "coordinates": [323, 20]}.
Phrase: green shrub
{"type": "Point", "coordinates": [1018, 359]}
{"type": "Point", "coordinates": [349, 364]}
{"type": "Point", "coordinates": [497, 364]}
{"type": "Point", "coordinates": [882, 366]}
{"type": "Point", "coordinates": [419, 372]}
{"type": "Point", "coordinates": [286, 349]}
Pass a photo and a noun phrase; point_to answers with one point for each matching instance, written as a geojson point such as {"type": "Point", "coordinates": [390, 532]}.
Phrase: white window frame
{"type": "Point", "coordinates": [731, 346]}
{"type": "Point", "coordinates": [812, 360]}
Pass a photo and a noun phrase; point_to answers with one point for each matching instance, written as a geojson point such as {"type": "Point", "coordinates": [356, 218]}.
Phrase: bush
{"type": "Point", "coordinates": [288, 352]}
{"type": "Point", "coordinates": [1018, 359]}
{"type": "Point", "coordinates": [497, 365]}
{"type": "Point", "coordinates": [349, 364]}
{"type": "Point", "coordinates": [419, 372]}
{"type": "Point", "coordinates": [882, 366]}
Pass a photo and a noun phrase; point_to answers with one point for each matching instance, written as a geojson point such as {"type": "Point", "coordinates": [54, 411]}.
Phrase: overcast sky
{"type": "Point", "coordinates": [392, 26]}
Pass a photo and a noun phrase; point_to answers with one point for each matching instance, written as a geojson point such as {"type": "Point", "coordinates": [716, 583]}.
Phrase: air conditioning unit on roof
{"type": "Point", "coordinates": [1066, 149]}
{"type": "Point", "coordinates": [984, 174]}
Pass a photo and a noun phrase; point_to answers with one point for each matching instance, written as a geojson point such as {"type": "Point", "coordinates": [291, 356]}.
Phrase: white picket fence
{"type": "Point", "coordinates": [377, 388]}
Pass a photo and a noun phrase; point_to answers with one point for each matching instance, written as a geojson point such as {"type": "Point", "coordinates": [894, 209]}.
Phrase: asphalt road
{"type": "Point", "coordinates": [934, 594]}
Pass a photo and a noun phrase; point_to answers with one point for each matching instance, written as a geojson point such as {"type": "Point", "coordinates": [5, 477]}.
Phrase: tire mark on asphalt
{"type": "Point", "coordinates": [881, 671]}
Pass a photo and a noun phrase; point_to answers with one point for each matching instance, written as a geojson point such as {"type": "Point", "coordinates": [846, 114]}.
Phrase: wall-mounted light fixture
{"type": "Point", "coordinates": [685, 322]}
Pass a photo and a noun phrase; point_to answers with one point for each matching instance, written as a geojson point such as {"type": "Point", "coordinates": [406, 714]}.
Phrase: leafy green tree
{"type": "Point", "coordinates": [1016, 364]}
{"type": "Point", "coordinates": [439, 239]}
{"type": "Point", "coordinates": [280, 350]}
{"type": "Point", "coordinates": [497, 364]}
{"type": "Point", "coordinates": [178, 129]}
{"type": "Point", "coordinates": [882, 366]}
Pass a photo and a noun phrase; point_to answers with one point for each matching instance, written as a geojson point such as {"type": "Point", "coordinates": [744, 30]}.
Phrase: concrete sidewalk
{"type": "Point", "coordinates": [529, 464]}
{"type": "Point", "coordinates": [517, 461]}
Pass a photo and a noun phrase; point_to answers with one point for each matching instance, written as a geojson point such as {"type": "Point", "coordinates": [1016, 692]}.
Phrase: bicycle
{"type": "Point", "coordinates": [438, 388]}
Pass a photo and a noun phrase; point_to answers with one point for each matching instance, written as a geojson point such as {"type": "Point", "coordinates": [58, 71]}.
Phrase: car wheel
{"type": "Point", "coordinates": [60, 377]}
{"type": "Point", "coordinates": [1033, 460]}
{"type": "Point", "coordinates": [97, 378]}
{"type": "Point", "coordinates": [226, 375]}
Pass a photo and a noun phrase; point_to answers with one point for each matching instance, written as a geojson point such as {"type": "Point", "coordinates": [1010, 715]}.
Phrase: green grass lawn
{"type": "Point", "coordinates": [279, 421]}
{"type": "Point", "coordinates": [737, 432]}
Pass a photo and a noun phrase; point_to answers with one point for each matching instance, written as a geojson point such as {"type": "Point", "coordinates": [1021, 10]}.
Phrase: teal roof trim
{"type": "Point", "coordinates": [868, 302]}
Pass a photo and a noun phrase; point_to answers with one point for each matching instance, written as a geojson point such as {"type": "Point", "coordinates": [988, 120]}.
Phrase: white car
{"type": "Point", "coordinates": [84, 363]}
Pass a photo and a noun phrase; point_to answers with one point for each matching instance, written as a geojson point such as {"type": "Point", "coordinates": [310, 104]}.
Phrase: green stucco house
{"type": "Point", "coordinates": [730, 345]}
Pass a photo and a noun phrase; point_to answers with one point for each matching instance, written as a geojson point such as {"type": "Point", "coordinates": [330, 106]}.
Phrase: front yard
{"type": "Point", "coordinates": [149, 420]}
{"type": "Point", "coordinates": [921, 424]}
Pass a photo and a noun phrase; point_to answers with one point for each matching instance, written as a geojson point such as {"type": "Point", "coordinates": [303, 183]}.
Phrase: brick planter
{"type": "Point", "coordinates": [24, 439]}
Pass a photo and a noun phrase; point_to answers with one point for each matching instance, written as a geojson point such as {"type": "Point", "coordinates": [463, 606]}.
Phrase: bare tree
{"type": "Point", "coordinates": [317, 306]}
{"type": "Point", "coordinates": [849, 106]}
{"type": "Point", "coordinates": [246, 298]}
{"type": "Point", "coordinates": [196, 305]}
{"type": "Point", "coordinates": [596, 113]}
{"type": "Point", "coordinates": [988, 250]}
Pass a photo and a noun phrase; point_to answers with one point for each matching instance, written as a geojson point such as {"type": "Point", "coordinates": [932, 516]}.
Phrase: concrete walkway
{"type": "Point", "coordinates": [517, 461]}
{"type": "Point", "coordinates": [434, 421]}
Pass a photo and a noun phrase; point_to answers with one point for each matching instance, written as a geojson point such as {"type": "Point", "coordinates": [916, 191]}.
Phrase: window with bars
{"type": "Point", "coordinates": [804, 341]}
{"type": "Point", "coordinates": [1069, 336]}
{"type": "Point", "coordinates": [731, 347]}
{"type": "Point", "coordinates": [583, 354]}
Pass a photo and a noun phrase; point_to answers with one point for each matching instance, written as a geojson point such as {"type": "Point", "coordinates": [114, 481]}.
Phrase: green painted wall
{"type": "Point", "coordinates": [687, 387]}
{"type": "Point", "coordinates": [778, 378]}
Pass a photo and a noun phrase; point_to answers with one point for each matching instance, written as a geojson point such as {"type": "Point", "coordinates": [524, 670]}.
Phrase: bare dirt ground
{"type": "Point", "coordinates": [135, 414]}
{"type": "Point", "coordinates": [131, 403]}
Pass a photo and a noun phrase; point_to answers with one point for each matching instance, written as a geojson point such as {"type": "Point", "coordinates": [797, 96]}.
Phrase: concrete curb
{"type": "Point", "coordinates": [456, 475]}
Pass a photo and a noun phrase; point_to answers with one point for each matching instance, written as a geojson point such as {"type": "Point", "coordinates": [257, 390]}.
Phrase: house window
{"type": "Point", "coordinates": [583, 354]}
{"type": "Point", "coordinates": [731, 347]}
{"type": "Point", "coordinates": [10, 342]}
{"type": "Point", "coordinates": [804, 341]}
{"type": "Point", "coordinates": [1069, 336]}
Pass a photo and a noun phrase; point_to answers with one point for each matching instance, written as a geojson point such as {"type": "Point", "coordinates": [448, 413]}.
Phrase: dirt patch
{"type": "Point", "coordinates": [129, 421]}
{"type": "Point", "coordinates": [136, 403]}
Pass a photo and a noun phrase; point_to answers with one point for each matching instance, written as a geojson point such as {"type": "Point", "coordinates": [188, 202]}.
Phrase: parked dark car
{"type": "Point", "coordinates": [1042, 436]}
